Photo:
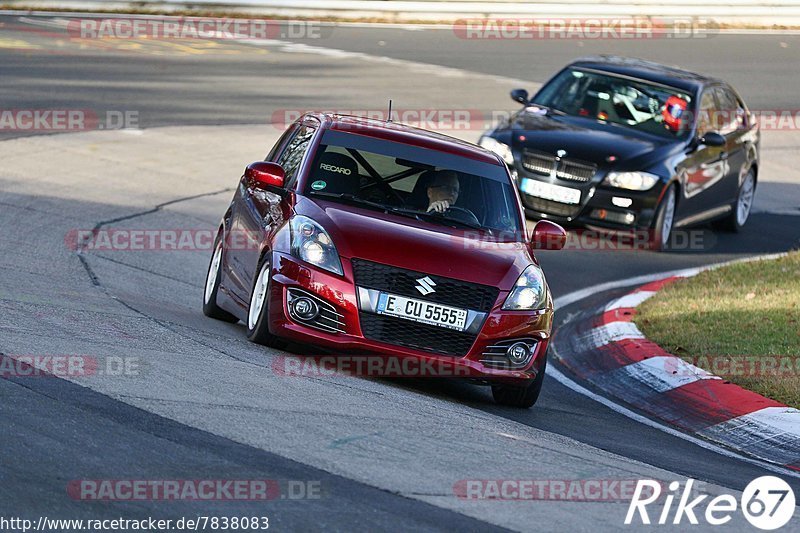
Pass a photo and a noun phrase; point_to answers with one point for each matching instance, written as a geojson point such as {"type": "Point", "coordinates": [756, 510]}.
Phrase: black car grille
{"type": "Point", "coordinates": [414, 335]}
{"type": "Point", "coordinates": [566, 169]}
{"type": "Point", "coordinates": [449, 291]}
{"type": "Point", "coordinates": [551, 208]}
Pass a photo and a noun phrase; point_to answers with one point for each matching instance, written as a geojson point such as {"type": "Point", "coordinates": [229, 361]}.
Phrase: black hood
{"type": "Point", "coordinates": [584, 139]}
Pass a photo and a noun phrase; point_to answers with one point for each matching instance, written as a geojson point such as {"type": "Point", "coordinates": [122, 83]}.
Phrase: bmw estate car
{"type": "Point", "coordinates": [362, 236]}
{"type": "Point", "coordinates": [628, 144]}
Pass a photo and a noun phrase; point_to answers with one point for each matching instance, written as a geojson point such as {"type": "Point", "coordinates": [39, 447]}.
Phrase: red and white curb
{"type": "Point", "coordinates": [606, 349]}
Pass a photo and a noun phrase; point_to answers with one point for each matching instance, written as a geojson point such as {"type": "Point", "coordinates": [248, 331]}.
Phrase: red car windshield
{"type": "Point", "coordinates": [445, 189]}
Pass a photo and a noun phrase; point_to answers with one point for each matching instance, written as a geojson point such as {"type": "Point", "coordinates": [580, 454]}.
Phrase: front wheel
{"type": "Point", "coordinates": [516, 396]}
{"type": "Point", "coordinates": [744, 203]}
{"type": "Point", "coordinates": [665, 217]}
{"type": "Point", "coordinates": [213, 277]}
{"type": "Point", "coordinates": [258, 312]}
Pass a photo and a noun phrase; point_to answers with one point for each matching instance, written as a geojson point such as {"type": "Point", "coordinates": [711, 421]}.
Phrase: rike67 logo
{"type": "Point", "coordinates": [767, 502]}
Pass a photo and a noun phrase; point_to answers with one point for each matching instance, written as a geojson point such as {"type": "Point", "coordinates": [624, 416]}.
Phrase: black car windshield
{"type": "Point", "coordinates": [409, 181]}
{"type": "Point", "coordinates": [635, 104]}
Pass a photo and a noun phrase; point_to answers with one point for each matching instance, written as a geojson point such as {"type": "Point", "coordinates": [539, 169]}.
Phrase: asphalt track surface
{"type": "Point", "coordinates": [207, 404]}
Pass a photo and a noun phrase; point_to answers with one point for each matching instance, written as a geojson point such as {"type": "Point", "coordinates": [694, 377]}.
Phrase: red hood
{"type": "Point", "coordinates": [421, 246]}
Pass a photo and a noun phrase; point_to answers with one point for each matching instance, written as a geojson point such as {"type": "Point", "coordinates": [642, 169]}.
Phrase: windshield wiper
{"type": "Point", "coordinates": [436, 217]}
{"type": "Point", "coordinates": [368, 203]}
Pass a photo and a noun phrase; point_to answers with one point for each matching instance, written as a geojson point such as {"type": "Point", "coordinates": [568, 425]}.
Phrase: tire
{"type": "Point", "coordinates": [522, 397]}
{"type": "Point", "coordinates": [213, 277]}
{"type": "Point", "coordinates": [665, 218]}
{"type": "Point", "coordinates": [742, 206]}
{"type": "Point", "coordinates": [258, 311]}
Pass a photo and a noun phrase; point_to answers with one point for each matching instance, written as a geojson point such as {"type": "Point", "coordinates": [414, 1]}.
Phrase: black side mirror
{"type": "Point", "coordinates": [520, 95]}
{"type": "Point", "coordinates": [712, 138]}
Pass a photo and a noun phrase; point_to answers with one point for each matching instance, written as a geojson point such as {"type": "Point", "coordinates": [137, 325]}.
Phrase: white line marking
{"type": "Point", "coordinates": [664, 373]}
{"type": "Point", "coordinates": [614, 332]}
{"type": "Point", "coordinates": [630, 300]}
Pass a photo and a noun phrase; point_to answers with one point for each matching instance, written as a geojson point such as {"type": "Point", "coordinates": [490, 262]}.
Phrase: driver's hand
{"type": "Point", "coordinates": [439, 206]}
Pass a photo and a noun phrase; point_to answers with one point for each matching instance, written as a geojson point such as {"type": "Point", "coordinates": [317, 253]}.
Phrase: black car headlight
{"type": "Point", "coordinates": [312, 244]}
{"type": "Point", "coordinates": [501, 149]}
{"type": "Point", "coordinates": [529, 292]}
{"type": "Point", "coordinates": [634, 181]}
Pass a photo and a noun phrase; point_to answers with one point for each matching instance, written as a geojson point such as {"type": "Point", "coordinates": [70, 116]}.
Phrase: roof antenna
{"type": "Point", "coordinates": [390, 111]}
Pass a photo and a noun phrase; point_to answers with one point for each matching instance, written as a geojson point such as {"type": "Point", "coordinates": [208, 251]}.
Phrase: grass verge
{"type": "Point", "coordinates": [740, 322]}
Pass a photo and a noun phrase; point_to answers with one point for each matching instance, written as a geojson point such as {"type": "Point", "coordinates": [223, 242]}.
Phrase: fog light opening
{"type": "Point", "coordinates": [305, 308]}
{"type": "Point", "coordinates": [518, 353]}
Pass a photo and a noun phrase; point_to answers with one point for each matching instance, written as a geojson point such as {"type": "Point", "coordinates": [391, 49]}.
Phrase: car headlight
{"type": "Point", "coordinates": [529, 292]}
{"type": "Point", "coordinates": [635, 181]}
{"type": "Point", "coordinates": [312, 244]}
{"type": "Point", "coordinates": [501, 149]}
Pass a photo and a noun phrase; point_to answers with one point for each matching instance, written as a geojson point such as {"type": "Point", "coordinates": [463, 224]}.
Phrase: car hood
{"type": "Point", "coordinates": [419, 246]}
{"type": "Point", "coordinates": [582, 139]}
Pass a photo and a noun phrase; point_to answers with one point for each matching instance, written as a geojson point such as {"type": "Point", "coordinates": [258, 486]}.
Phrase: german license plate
{"type": "Point", "coordinates": [548, 191]}
{"type": "Point", "coordinates": [422, 311]}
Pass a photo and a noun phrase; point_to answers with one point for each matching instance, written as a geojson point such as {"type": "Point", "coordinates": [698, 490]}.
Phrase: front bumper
{"type": "Point", "coordinates": [291, 275]}
{"type": "Point", "coordinates": [617, 209]}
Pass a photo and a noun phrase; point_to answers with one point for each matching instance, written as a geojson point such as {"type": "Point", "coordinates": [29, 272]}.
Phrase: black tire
{"type": "Point", "coordinates": [210, 307]}
{"type": "Point", "coordinates": [258, 326]}
{"type": "Point", "coordinates": [522, 397]}
{"type": "Point", "coordinates": [659, 240]}
{"type": "Point", "coordinates": [734, 222]}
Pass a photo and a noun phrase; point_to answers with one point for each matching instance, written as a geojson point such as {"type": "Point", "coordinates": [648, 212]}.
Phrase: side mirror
{"type": "Point", "coordinates": [263, 174]}
{"type": "Point", "coordinates": [712, 138]}
{"type": "Point", "coordinates": [520, 95]}
{"type": "Point", "coordinates": [548, 236]}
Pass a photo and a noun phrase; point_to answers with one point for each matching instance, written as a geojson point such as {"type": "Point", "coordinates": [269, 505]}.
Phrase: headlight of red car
{"type": "Point", "coordinates": [312, 244]}
{"type": "Point", "coordinates": [529, 292]}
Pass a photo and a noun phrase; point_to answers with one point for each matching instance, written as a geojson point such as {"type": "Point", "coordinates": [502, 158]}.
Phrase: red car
{"type": "Point", "coordinates": [370, 237]}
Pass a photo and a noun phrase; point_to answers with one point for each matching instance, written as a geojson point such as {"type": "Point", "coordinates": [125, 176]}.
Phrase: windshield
{"type": "Point", "coordinates": [635, 104]}
{"type": "Point", "coordinates": [444, 189]}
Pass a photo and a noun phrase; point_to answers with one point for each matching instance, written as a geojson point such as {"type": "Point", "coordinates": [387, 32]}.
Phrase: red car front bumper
{"type": "Point", "coordinates": [341, 293]}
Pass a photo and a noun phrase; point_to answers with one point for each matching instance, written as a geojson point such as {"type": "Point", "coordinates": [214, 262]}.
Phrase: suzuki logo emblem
{"type": "Point", "coordinates": [426, 285]}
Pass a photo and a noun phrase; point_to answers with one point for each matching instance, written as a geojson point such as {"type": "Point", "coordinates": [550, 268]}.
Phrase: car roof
{"type": "Point", "coordinates": [402, 133]}
{"type": "Point", "coordinates": [648, 70]}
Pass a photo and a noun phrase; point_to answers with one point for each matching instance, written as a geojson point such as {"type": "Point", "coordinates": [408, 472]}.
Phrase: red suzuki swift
{"type": "Point", "coordinates": [364, 236]}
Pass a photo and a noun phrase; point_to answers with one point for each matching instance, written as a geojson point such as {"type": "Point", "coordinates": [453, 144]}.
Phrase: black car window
{"type": "Point", "coordinates": [732, 114]}
{"type": "Point", "coordinates": [293, 153]}
{"type": "Point", "coordinates": [706, 120]}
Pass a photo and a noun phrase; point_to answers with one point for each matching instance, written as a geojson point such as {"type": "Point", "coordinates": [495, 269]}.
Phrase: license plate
{"type": "Point", "coordinates": [422, 311]}
{"type": "Point", "coordinates": [548, 191]}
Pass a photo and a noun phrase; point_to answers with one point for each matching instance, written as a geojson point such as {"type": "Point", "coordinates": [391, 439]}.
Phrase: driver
{"type": "Point", "coordinates": [443, 191]}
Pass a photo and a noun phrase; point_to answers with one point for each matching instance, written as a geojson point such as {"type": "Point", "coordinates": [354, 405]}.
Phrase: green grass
{"type": "Point", "coordinates": [741, 322]}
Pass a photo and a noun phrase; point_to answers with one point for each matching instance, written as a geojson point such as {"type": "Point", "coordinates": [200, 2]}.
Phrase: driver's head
{"type": "Point", "coordinates": [444, 186]}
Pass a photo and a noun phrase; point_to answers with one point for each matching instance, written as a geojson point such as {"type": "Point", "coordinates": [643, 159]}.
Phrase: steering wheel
{"type": "Point", "coordinates": [463, 214]}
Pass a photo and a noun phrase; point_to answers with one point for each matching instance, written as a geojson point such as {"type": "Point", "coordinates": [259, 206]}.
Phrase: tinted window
{"type": "Point", "coordinates": [293, 154]}
{"type": "Point", "coordinates": [707, 121]}
{"type": "Point", "coordinates": [273, 154]}
{"type": "Point", "coordinates": [732, 114]}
